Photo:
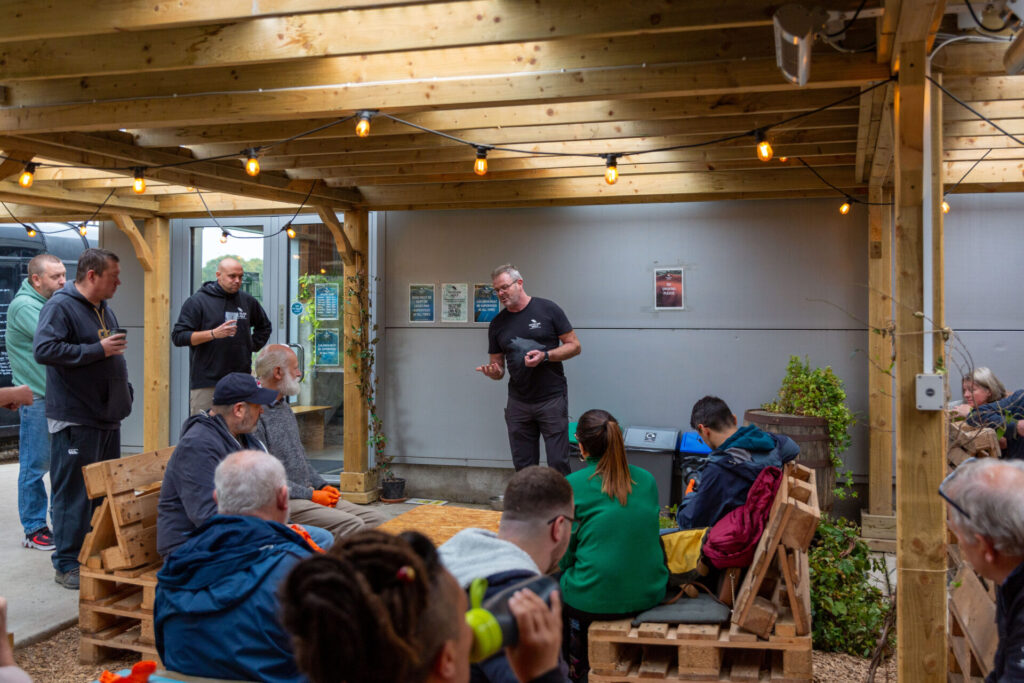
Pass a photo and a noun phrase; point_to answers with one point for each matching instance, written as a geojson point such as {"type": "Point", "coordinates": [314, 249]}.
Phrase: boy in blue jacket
{"type": "Point", "coordinates": [738, 455]}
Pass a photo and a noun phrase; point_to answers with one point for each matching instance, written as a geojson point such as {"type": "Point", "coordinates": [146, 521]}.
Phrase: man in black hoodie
{"type": "Point", "coordinates": [223, 327]}
{"type": "Point", "coordinates": [87, 395]}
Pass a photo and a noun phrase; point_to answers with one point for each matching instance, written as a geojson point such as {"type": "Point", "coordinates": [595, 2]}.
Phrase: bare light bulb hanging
{"type": "Point", "coordinates": [945, 206]}
{"type": "Point", "coordinates": [138, 183]}
{"type": "Point", "coordinates": [480, 165]}
{"type": "Point", "coordinates": [764, 148]}
{"type": "Point", "coordinates": [27, 176]}
{"type": "Point", "coordinates": [252, 164]}
{"type": "Point", "coordinates": [611, 170]}
{"type": "Point", "coordinates": [290, 232]}
{"type": "Point", "coordinates": [224, 236]}
{"type": "Point", "coordinates": [363, 124]}
{"type": "Point", "coordinates": [844, 208]}
{"type": "Point", "coordinates": [30, 231]}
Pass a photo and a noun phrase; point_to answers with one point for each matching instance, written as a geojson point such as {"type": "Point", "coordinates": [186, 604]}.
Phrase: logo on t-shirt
{"type": "Point", "coordinates": [534, 325]}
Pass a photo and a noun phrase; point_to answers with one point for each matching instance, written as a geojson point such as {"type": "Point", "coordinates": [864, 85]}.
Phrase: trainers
{"type": "Point", "coordinates": [68, 579]}
{"type": "Point", "coordinates": [40, 540]}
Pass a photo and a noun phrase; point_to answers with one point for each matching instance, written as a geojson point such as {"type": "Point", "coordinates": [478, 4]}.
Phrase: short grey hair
{"type": "Point", "coordinates": [988, 490]}
{"type": "Point", "coordinates": [37, 266]}
{"type": "Point", "coordinates": [986, 379]}
{"type": "Point", "coordinates": [270, 357]}
{"type": "Point", "coordinates": [247, 481]}
{"type": "Point", "coordinates": [507, 269]}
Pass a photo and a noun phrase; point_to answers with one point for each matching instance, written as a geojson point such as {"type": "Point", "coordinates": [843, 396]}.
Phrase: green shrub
{"type": "Point", "coordinates": [847, 610]}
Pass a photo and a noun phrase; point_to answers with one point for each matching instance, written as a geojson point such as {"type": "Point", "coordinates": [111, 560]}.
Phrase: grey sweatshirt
{"type": "Point", "coordinates": [279, 431]}
{"type": "Point", "coordinates": [478, 552]}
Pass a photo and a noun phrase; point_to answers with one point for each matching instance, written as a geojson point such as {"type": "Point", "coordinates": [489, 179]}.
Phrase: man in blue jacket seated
{"type": "Point", "coordinates": [738, 455]}
{"type": "Point", "coordinates": [535, 528]}
{"type": "Point", "coordinates": [216, 600]}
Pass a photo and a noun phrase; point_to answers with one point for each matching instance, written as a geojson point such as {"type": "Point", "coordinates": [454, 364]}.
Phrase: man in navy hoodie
{"type": "Point", "coordinates": [222, 326]}
{"type": "Point", "coordinates": [216, 600]}
{"type": "Point", "coordinates": [87, 395]}
{"type": "Point", "coordinates": [738, 455]}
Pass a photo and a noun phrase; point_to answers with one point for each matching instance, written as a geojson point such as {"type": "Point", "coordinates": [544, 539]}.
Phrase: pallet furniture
{"type": "Point", "coordinates": [971, 442]}
{"type": "Point", "coordinates": [771, 618]}
{"type": "Point", "coordinates": [118, 559]}
{"type": "Point", "coordinates": [441, 522]}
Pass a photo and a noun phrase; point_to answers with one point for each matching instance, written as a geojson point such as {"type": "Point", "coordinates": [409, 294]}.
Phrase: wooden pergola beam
{"type": "Point", "coordinates": [156, 434]}
{"type": "Point", "coordinates": [142, 250]}
{"type": "Point", "coordinates": [55, 197]}
{"type": "Point", "coordinates": [337, 230]}
{"type": "Point", "coordinates": [727, 78]}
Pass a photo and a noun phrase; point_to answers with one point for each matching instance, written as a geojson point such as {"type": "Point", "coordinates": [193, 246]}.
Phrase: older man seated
{"type": "Point", "coordinates": [216, 600]}
{"type": "Point", "coordinates": [986, 512]}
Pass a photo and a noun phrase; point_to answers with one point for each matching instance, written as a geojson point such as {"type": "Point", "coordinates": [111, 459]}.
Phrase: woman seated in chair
{"type": "Point", "coordinates": [614, 567]}
{"type": "Point", "coordinates": [987, 404]}
{"type": "Point", "coordinates": [379, 608]}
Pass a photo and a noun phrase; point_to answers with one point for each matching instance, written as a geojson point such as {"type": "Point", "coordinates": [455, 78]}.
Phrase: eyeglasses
{"type": "Point", "coordinates": [557, 517]}
{"type": "Point", "coordinates": [505, 288]}
{"type": "Point", "coordinates": [945, 496]}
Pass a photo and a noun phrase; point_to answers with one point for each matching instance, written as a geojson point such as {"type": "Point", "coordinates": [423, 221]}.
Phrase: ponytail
{"type": "Point", "coordinates": [599, 434]}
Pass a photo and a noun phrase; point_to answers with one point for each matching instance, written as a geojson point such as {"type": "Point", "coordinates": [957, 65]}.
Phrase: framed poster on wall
{"type": "Point", "coordinates": [668, 288]}
{"type": "Point", "coordinates": [485, 303]}
{"type": "Point", "coordinates": [454, 302]}
{"type": "Point", "coordinates": [421, 303]}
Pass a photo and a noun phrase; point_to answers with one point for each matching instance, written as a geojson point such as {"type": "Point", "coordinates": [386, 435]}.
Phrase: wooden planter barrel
{"type": "Point", "coordinates": [811, 435]}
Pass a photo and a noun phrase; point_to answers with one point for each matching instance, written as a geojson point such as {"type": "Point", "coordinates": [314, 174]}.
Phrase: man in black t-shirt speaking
{"type": "Point", "coordinates": [532, 337]}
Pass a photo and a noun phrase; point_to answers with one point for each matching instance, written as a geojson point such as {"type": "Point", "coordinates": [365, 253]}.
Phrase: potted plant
{"type": "Point", "coordinates": [362, 349]}
{"type": "Point", "coordinates": [811, 409]}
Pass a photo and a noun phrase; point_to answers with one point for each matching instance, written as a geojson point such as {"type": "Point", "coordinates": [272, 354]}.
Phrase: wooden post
{"type": "Point", "coordinates": [920, 517]}
{"type": "Point", "coordinates": [880, 371]}
{"type": "Point", "coordinates": [938, 239]}
{"type": "Point", "coordinates": [157, 319]}
{"type": "Point", "coordinates": [358, 483]}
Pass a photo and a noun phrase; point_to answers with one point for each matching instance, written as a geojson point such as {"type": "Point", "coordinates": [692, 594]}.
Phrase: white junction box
{"type": "Point", "coordinates": [931, 394]}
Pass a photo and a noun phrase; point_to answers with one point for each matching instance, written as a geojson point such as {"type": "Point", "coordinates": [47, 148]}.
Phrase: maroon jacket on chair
{"type": "Point", "coordinates": [732, 541]}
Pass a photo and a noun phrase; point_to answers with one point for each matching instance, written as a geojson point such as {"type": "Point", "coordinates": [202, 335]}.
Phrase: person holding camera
{"type": "Point", "coordinates": [87, 395]}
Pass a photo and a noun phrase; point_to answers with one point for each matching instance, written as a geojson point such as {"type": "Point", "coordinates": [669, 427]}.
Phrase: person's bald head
{"type": "Point", "coordinates": [277, 368]}
{"type": "Point", "coordinates": [989, 492]}
{"type": "Point", "coordinates": [229, 275]}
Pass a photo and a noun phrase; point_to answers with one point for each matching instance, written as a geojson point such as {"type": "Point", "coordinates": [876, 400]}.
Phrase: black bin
{"type": "Point", "coordinates": [654, 448]}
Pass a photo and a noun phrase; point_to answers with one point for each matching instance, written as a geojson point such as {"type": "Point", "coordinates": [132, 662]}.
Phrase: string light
{"type": "Point", "coordinates": [27, 176]}
{"type": "Point", "coordinates": [291, 231]}
{"type": "Point", "coordinates": [945, 206]}
{"type": "Point", "coordinates": [480, 165]}
{"type": "Point", "coordinates": [611, 168]}
{"type": "Point", "coordinates": [82, 230]}
{"type": "Point", "coordinates": [139, 183]}
{"type": "Point", "coordinates": [764, 148]}
{"type": "Point", "coordinates": [363, 124]}
{"type": "Point", "coordinates": [30, 231]}
{"type": "Point", "coordinates": [783, 159]}
{"type": "Point", "coordinates": [844, 208]}
{"type": "Point", "coordinates": [252, 164]}
{"type": "Point", "coordinates": [323, 271]}
{"type": "Point", "coordinates": [224, 236]}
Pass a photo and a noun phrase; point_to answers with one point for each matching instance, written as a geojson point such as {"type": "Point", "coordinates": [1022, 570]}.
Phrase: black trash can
{"type": "Point", "coordinates": [654, 448]}
{"type": "Point", "coordinates": [692, 455]}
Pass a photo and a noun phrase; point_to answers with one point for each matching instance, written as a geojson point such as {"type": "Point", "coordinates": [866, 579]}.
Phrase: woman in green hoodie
{"type": "Point", "coordinates": [614, 567]}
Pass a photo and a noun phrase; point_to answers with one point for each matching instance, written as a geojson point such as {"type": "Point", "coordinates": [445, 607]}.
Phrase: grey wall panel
{"type": "Point", "coordinates": [763, 280]}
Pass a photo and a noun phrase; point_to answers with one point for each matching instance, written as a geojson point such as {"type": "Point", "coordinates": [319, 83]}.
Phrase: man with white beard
{"type": "Point", "coordinates": [311, 500]}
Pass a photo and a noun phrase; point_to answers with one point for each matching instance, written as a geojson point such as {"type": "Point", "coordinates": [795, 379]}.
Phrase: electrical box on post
{"type": "Point", "coordinates": [930, 392]}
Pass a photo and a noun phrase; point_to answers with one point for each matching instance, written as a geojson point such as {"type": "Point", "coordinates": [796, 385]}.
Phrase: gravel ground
{"type": "Point", "coordinates": [56, 661]}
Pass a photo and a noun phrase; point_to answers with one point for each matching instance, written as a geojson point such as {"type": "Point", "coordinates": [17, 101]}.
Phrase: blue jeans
{"type": "Point", "coordinates": [33, 462]}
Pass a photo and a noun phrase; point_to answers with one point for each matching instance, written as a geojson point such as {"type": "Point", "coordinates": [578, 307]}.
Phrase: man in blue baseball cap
{"type": "Point", "coordinates": [186, 496]}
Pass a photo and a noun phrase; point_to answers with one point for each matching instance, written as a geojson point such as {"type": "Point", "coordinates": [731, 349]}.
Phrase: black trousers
{"type": "Point", "coordinates": [71, 449]}
{"type": "Point", "coordinates": [527, 422]}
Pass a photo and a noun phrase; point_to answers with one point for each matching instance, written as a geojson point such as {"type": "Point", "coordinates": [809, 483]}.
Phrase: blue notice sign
{"type": "Point", "coordinates": [325, 297]}
{"type": "Point", "coordinates": [485, 303]}
{"type": "Point", "coordinates": [297, 308]}
{"type": "Point", "coordinates": [421, 303]}
{"type": "Point", "coordinates": [327, 347]}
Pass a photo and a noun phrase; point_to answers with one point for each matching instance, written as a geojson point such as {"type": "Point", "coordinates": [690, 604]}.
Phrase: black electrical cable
{"type": "Point", "coordinates": [975, 112]}
{"type": "Point", "coordinates": [850, 22]}
{"type": "Point", "coordinates": [847, 195]}
{"type": "Point", "coordinates": [982, 26]}
{"type": "Point", "coordinates": [973, 166]}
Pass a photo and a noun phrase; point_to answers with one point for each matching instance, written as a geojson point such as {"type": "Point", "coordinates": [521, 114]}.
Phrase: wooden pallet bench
{"type": "Point", "coordinates": [973, 636]}
{"type": "Point", "coordinates": [119, 561]}
{"type": "Point", "coordinates": [620, 652]}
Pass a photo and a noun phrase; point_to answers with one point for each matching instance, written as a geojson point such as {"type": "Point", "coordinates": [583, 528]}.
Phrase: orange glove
{"type": "Point", "coordinates": [140, 674]}
{"type": "Point", "coordinates": [336, 492]}
{"type": "Point", "coordinates": [325, 498]}
{"type": "Point", "coordinates": [297, 528]}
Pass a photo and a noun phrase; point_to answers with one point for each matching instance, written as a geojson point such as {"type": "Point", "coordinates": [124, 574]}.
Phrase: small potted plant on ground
{"type": "Point", "coordinates": [811, 409]}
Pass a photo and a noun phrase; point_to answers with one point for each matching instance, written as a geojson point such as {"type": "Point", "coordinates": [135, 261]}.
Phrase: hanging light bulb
{"type": "Point", "coordinates": [363, 124]}
{"type": "Point", "coordinates": [252, 164]}
{"type": "Point", "coordinates": [190, 188]}
{"type": "Point", "coordinates": [783, 159]}
{"type": "Point", "coordinates": [82, 230]}
{"type": "Point", "coordinates": [30, 231]}
{"type": "Point", "coordinates": [945, 206]}
{"type": "Point", "coordinates": [224, 236]}
{"type": "Point", "coordinates": [764, 148]}
{"type": "Point", "coordinates": [844, 208]}
{"type": "Point", "coordinates": [323, 271]}
{"type": "Point", "coordinates": [480, 165]}
{"type": "Point", "coordinates": [27, 176]}
{"type": "Point", "coordinates": [290, 231]}
{"type": "Point", "coordinates": [611, 170]}
{"type": "Point", "coordinates": [139, 183]}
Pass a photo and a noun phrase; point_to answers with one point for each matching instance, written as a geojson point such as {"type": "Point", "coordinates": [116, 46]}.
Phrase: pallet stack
{"type": "Point", "coordinates": [119, 560]}
{"type": "Point", "coordinates": [769, 637]}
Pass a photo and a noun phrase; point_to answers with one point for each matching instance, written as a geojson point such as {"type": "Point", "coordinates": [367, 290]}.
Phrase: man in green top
{"type": "Point", "coordinates": [45, 276]}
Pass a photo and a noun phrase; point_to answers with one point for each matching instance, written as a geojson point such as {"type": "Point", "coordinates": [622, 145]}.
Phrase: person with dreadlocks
{"type": "Point", "coordinates": [614, 567]}
{"type": "Point", "coordinates": [379, 608]}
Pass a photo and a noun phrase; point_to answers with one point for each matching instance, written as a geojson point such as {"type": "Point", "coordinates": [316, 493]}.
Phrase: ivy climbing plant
{"type": "Point", "coordinates": [361, 355]}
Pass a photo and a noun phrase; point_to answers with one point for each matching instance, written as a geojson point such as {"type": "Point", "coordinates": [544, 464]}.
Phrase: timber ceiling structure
{"type": "Point", "coordinates": [180, 88]}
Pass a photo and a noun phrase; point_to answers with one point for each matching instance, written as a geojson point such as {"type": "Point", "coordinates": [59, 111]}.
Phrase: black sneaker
{"type": "Point", "coordinates": [40, 540]}
{"type": "Point", "coordinates": [68, 579]}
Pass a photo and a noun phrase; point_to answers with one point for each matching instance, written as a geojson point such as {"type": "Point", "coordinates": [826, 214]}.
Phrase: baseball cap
{"type": "Point", "coordinates": [238, 386]}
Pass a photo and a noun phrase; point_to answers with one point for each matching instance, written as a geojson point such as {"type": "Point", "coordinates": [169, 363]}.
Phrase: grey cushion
{"type": "Point", "coordinates": [703, 609]}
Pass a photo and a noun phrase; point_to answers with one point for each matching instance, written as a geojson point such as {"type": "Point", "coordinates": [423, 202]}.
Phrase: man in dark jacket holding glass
{"type": "Point", "coordinates": [222, 326]}
{"type": "Point", "coordinates": [87, 395]}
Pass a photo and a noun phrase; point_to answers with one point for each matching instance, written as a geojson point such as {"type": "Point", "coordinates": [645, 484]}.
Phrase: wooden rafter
{"type": "Point", "coordinates": [142, 251]}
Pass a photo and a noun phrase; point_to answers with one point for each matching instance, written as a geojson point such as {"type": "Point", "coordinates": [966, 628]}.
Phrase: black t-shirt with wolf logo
{"type": "Point", "coordinates": [537, 326]}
